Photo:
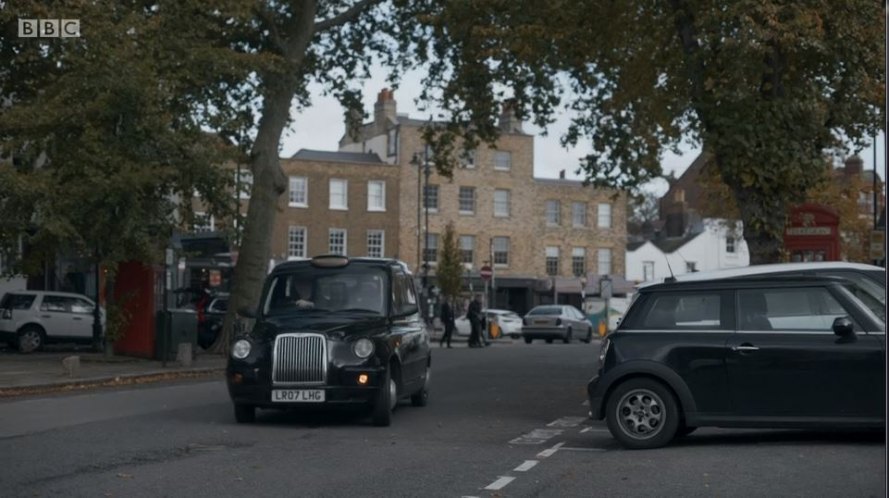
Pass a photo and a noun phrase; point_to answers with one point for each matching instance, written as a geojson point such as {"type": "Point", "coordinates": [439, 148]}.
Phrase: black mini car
{"type": "Point", "coordinates": [332, 332]}
{"type": "Point", "coordinates": [763, 351]}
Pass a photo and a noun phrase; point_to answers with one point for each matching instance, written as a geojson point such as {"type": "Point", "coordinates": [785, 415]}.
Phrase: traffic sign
{"type": "Point", "coordinates": [486, 272]}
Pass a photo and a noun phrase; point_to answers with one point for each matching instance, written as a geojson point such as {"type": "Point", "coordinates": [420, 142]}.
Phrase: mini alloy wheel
{"type": "Point", "coordinates": [642, 414]}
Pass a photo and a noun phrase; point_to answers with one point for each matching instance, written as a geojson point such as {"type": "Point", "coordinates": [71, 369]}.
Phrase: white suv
{"type": "Point", "coordinates": [30, 319]}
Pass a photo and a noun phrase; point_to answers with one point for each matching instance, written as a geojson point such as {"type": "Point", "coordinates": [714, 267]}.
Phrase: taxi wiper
{"type": "Point", "coordinates": [360, 310]}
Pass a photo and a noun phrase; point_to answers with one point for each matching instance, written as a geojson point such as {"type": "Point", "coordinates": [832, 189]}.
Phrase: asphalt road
{"type": "Point", "coordinates": [508, 420]}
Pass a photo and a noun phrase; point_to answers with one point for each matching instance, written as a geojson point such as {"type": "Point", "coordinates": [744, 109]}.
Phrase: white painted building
{"type": "Point", "coordinates": [717, 245]}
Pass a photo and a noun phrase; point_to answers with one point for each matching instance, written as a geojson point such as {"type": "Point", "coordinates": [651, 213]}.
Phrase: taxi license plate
{"type": "Point", "coordinates": [541, 322]}
{"type": "Point", "coordinates": [298, 395]}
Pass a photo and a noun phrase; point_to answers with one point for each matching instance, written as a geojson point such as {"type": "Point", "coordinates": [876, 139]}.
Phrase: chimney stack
{"type": "Point", "coordinates": [384, 110]}
{"type": "Point", "coordinates": [561, 174]}
{"type": "Point", "coordinates": [854, 166]}
{"type": "Point", "coordinates": [509, 123]}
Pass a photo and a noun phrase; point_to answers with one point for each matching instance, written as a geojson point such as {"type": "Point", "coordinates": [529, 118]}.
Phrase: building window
{"type": "Point", "coordinates": [467, 200]}
{"type": "Point", "coordinates": [578, 261]}
{"type": "Point", "coordinates": [501, 203]}
{"type": "Point", "coordinates": [604, 215]}
{"type": "Point", "coordinates": [299, 191]}
{"type": "Point", "coordinates": [203, 222]}
{"type": "Point", "coordinates": [339, 194]}
{"type": "Point", "coordinates": [376, 195]}
{"type": "Point", "coordinates": [648, 271]}
{"type": "Point", "coordinates": [500, 248]}
{"type": "Point", "coordinates": [467, 248]}
{"type": "Point", "coordinates": [578, 214]}
{"type": "Point", "coordinates": [430, 250]}
{"type": "Point", "coordinates": [604, 261]}
{"type": "Point", "coordinates": [376, 240]}
{"type": "Point", "coordinates": [730, 245]}
{"type": "Point", "coordinates": [296, 242]}
{"type": "Point", "coordinates": [467, 159]}
{"type": "Point", "coordinates": [243, 183]}
{"type": "Point", "coordinates": [392, 143]}
{"type": "Point", "coordinates": [552, 261]}
{"type": "Point", "coordinates": [431, 198]}
{"type": "Point", "coordinates": [691, 266]}
{"type": "Point", "coordinates": [337, 241]}
{"type": "Point", "coordinates": [553, 215]}
{"type": "Point", "coordinates": [502, 160]}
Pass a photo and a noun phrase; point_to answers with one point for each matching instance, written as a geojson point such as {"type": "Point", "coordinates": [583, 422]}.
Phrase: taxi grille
{"type": "Point", "coordinates": [299, 359]}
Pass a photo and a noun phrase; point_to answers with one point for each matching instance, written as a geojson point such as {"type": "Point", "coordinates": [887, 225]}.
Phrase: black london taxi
{"type": "Point", "coordinates": [333, 332]}
{"type": "Point", "coordinates": [762, 351]}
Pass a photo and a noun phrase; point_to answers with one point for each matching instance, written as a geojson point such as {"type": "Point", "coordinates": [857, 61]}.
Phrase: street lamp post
{"type": "Point", "coordinates": [426, 174]}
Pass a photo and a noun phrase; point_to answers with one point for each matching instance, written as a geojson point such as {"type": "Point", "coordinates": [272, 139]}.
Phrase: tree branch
{"type": "Point", "coordinates": [269, 19]}
{"type": "Point", "coordinates": [350, 14]}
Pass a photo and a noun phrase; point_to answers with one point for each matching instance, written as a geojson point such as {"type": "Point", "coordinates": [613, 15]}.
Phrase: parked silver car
{"type": "Point", "coordinates": [556, 321]}
{"type": "Point", "coordinates": [30, 319]}
{"type": "Point", "coordinates": [509, 322]}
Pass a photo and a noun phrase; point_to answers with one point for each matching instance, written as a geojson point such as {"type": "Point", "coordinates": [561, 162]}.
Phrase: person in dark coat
{"type": "Point", "coordinates": [449, 321]}
{"type": "Point", "coordinates": [474, 314]}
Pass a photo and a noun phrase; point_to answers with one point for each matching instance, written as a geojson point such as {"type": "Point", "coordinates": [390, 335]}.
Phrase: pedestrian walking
{"type": "Point", "coordinates": [474, 313]}
{"type": "Point", "coordinates": [449, 322]}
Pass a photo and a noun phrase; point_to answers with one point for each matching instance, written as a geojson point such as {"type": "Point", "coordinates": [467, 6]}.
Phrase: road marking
{"type": "Point", "coordinates": [566, 448]}
{"type": "Point", "coordinates": [500, 483]}
{"type": "Point", "coordinates": [594, 429]}
{"type": "Point", "coordinates": [537, 436]}
{"type": "Point", "coordinates": [586, 402]}
{"type": "Point", "coordinates": [549, 452]}
{"type": "Point", "coordinates": [528, 465]}
{"type": "Point", "coordinates": [566, 422]}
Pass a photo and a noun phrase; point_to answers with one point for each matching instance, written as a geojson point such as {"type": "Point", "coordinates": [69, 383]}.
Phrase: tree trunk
{"type": "Point", "coordinates": [269, 183]}
{"type": "Point", "coordinates": [764, 221]}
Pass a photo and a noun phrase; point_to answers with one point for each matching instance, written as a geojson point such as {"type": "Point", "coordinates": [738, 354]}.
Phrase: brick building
{"type": "Point", "coordinates": [543, 235]}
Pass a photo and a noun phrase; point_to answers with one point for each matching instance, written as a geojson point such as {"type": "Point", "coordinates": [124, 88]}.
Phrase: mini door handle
{"type": "Point", "coordinates": [745, 348]}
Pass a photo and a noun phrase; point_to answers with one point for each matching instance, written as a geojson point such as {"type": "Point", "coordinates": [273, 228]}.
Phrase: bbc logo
{"type": "Point", "coordinates": [49, 28]}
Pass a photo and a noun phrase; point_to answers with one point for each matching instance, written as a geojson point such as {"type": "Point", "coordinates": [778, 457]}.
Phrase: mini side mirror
{"type": "Point", "coordinates": [246, 312]}
{"type": "Point", "coordinates": [843, 327]}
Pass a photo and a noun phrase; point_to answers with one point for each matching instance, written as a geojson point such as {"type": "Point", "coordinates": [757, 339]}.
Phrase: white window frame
{"type": "Point", "coordinates": [494, 251]}
{"type": "Point", "coordinates": [292, 183]}
{"type": "Point", "coordinates": [647, 271]}
{"type": "Point", "coordinates": [345, 183]}
{"type": "Point", "coordinates": [471, 248]}
{"type": "Point", "coordinates": [382, 207]}
{"type": "Point", "coordinates": [507, 203]}
{"type": "Point", "coordinates": [467, 159]}
{"type": "Point", "coordinates": [553, 217]}
{"type": "Point", "coordinates": [292, 244]}
{"type": "Point", "coordinates": [202, 228]}
{"type": "Point", "coordinates": [431, 243]}
{"type": "Point", "coordinates": [603, 215]}
{"type": "Point", "coordinates": [499, 157]}
{"type": "Point", "coordinates": [730, 245]}
{"type": "Point", "coordinates": [460, 200]}
{"type": "Point", "coordinates": [575, 212]}
{"type": "Point", "coordinates": [330, 234]}
{"type": "Point", "coordinates": [578, 253]}
{"type": "Point", "coordinates": [552, 258]}
{"type": "Point", "coordinates": [604, 261]}
{"type": "Point", "coordinates": [243, 184]}
{"type": "Point", "coordinates": [392, 142]}
{"type": "Point", "coordinates": [382, 245]}
{"type": "Point", "coordinates": [426, 190]}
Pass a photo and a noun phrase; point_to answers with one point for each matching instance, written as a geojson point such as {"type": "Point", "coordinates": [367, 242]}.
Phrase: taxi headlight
{"type": "Point", "coordinates": [241, 349]}
{"type": "Point", "coordinates": [363, 347]}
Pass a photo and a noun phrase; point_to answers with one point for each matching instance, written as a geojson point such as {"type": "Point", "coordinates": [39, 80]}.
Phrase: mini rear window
{"type": "Point", "coordinates": [17, 301]}
{"type": "Point", "coordinates": [681, 311]}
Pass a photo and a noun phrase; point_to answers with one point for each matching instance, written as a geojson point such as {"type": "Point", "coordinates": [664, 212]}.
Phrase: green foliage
{"type": "Point", "coordinates": [450, 266]}
{"type": "Point", "coordinates": [102, 134]}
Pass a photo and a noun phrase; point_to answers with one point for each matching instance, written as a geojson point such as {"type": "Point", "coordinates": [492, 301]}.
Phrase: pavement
{"type": "Point", "coordinates": [45, 372]}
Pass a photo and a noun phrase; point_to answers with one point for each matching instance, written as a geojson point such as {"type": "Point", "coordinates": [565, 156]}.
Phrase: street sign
{"type": "Point", "coordinates": [605, 287]}
{"type": "Point", "coordinates": [486, 272]}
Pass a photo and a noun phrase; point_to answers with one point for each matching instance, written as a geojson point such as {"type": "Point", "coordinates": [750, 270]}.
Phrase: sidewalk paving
{"type": "Point", "coordinates": [42, 372]}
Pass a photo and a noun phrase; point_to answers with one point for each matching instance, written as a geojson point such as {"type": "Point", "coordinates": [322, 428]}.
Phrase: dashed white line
{"type": "Point", "coordinates": [594, 429]}
{"type": "Point", "coordinates": [567, 448]}
{"type": "Point", "coordinates": [500, 483]}
{"type": "Point", "coordinates": [586, 402]}
{"type": "Point", "coordinates": [549, 452]}
{"type": "Point", "coordinates": [528, 465]}
{"type": "Point", "coordinates": [566, 422]}
{"type": "Point", "coordinates": [537, 436]}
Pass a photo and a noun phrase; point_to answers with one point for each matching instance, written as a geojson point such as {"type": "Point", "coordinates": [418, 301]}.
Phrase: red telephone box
{"type": "Point", "coordinates": [812, 234]}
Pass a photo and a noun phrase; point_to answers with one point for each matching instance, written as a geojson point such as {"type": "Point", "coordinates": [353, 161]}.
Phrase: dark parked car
{"type": "Point", "coordinates": [556, 321]}
{"type": "Point", "coordinates": [211, 313]}
{"type": "Point", "coordinates": [333, 332]}
{"type": "Point", "coordinates": [755, 352]}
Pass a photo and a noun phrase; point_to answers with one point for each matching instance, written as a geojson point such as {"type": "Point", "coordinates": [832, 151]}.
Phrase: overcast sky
{"type": "Point", "coordinates": [321, 126]}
